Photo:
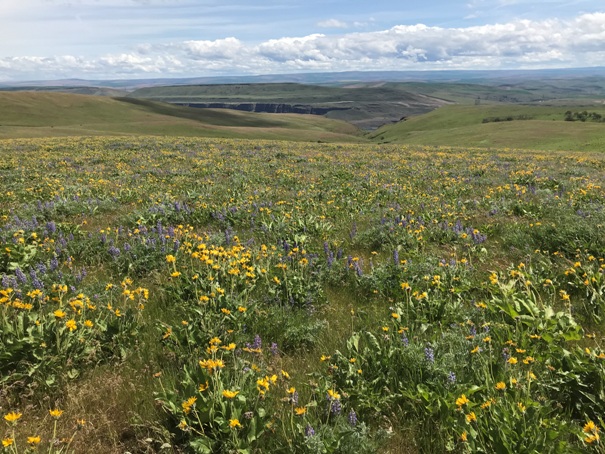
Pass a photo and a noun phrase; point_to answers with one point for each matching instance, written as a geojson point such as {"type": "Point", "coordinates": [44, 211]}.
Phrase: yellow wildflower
{"type": "Point", "coordinates": [59, 313]}
{"type": "Point", "coordinates": [333, 394]}
{"type": "Point", "coordinates": [33, 440]}
{"type": "Point", "coordinates": [594, 438]}
{"type": "Point", "coordinates": [462, 400]}
{"type": "Point", "coordinates": [230, 394]}
{"type": "Point", "coordinates": [56, 413]}
{"type": "Point", "coordinates": [522, 407]}
{"type": "Point", "coordinates": [71, 324]}
{"type": "Point", "coordinates": [13, 416]}
{"type": "Point", "coordinates": [188, 404]}
{"type": "Point", "coordinates": [234, 423]}
{"type": "Point", "coordinates": [590, 427]}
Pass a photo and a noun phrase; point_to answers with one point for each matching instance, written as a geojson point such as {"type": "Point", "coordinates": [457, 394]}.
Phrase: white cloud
{"type": "Point", "coordinates": [220, 49]}
{"type": "Point", "coordinates": [579, 41]}
{"type": "Point", "coordinates": [332, 23]}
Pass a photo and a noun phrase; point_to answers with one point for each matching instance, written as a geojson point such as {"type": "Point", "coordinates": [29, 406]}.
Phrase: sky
{"type": "Point", "coordinates": [127, 39]}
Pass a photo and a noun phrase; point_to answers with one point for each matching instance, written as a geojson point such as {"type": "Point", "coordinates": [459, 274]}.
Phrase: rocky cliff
{"type": "Point", "coordinates": [266, 107]}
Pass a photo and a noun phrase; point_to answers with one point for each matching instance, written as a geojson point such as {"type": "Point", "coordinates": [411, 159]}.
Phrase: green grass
{"type": "Point", "coordinates": [42, 114]}
{"type": "Point", "coordinates": [457, 125]}
{"type": "Point", "coordinates": [278, 93]}
{"type": "Point", "coordinates": [506, 243]}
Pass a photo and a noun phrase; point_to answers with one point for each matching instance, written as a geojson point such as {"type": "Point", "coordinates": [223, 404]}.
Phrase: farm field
{"type": "Point", "coordinates": [185, 294]}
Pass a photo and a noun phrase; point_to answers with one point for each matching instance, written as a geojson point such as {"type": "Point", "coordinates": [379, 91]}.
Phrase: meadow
{"type": "Point", "coordinates": [215, 295]}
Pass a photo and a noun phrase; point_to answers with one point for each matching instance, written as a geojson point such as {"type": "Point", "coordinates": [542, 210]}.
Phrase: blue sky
{"type": "Point", "coordinates": [118, 39]}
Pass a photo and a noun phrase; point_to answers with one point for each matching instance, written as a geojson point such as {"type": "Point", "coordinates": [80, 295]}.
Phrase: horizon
{"type": "Point", "coordinates": [285, 78]}
{"type": "Point", "coordinates": [155, 39]}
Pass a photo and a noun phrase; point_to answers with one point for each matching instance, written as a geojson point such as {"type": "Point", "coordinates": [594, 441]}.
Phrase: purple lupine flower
{"type": "Point", "coordinates": [352, 418]}
{"type": "Point", "coordinates": [358, 269]}
{"type": "Point", "coordinates": [5, 281]}
{"type": "Point", "coordinates": [451, 378]}
{"type": "Point", "coordinates": [274, 349]}
{"type": "Point", "coordinates": [20, 275]}
{"type": "Point", "coordinates": [33, 274]}
{"type": "Point", "coordinates": [335, 406]}
{"type": "Point", "coordinates": [51, 227]}
{"type": "Point", "coordinates": [258, 343]}
{"type": "Point", "coordinates": [396, 257]}
{"type": "Point", "coordinates": [429, 354]}
{"type": "Point", "coordinates": [330, 259]}
{"type": "Point", "coordinates": [505, 354]}
{"type": "Point", "coordinates": [309, 431]}
{"type": "Point", "coordinates": [405, 340]}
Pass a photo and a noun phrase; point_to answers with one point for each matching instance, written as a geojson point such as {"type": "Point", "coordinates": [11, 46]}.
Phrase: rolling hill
{"type": "Point", "coordinates": [498, 126]}
{"type": "Point", "coordinates": [366, 105]}
{"type": "Point", "coordinates": [42, 114]}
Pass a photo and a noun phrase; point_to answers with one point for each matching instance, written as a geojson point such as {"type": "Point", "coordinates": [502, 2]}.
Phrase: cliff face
{"type": "Point", "coordinates": [264, 107]}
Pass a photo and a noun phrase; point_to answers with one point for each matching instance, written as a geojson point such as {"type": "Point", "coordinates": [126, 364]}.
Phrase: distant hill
{"type": "Point", "coordinates": [499, 126]}
{"type": "Point", "coordinates": [332, 78]}
{"type": "Point", "coordinates": [76, 90]}
{"type": "Point", "coordinates": [367, 99]}
{"type": "Point", "coordinates": [42, 114]}
{"type": "Point", "coordinates": [366, 105]}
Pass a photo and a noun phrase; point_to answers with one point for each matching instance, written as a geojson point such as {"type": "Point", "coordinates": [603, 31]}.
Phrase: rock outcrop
{"type": "Point", "coordinates": [265, 107]}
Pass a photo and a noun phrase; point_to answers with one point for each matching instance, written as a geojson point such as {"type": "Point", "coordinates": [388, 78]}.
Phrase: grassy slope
{"type": "Point", "coordinates": [281, 93]}
{"type": "Point", "coordinates": [40, 114]}
{"type": "Point", "coordinates": [456, 125]}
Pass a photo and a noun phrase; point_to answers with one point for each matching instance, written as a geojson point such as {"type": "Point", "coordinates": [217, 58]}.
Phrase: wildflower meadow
{"type": "Point", "coordinates": [182, 295]}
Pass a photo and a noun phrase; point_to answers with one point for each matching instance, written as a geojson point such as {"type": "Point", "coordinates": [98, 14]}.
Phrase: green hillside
{"type": "Point", "coordinates": [43, 114]}
{"type": "Point", "coordinates": [533, 127]}
{"type": "Point", "coordinates": [274, 92]}
{"type": "Point", "coordinates": [366, 105]}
